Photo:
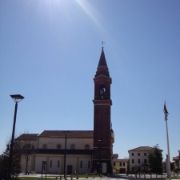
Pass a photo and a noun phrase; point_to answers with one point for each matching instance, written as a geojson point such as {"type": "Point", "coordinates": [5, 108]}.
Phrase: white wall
{"type": "Point", "coordinates": [35, 160]}
{"type": "Point", "coordinates": [71, 160]}
{"type": "Point", "coordinates": [53, 142]}
{"type": "Point", "coordinates": [138, 155]}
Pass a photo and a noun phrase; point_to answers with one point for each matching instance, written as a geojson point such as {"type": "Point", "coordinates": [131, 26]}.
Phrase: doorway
{"type": "Point", "coordinates": [69, 169]}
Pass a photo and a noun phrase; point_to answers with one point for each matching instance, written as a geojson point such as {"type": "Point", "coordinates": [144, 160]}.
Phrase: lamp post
{"type": "Point", "coordinates": [17, 98]}
{"type": "Point", "coordinates": [167, 138]}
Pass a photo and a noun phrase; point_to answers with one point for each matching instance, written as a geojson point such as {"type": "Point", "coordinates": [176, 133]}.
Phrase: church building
{"type": "Point", "coordinates": [75, 151]}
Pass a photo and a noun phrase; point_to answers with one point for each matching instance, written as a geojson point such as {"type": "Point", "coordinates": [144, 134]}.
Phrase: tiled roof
{"type": "Point", "coordinates": [176, 158]}
{"type": "Point", "coordinates": [142, 148]}
{"type": "Point", "coordinates": [29, 137]}
{"type": "Point", "coordinates": [68, 133]}
{"type": "Point", "coordinates": [121, 160]}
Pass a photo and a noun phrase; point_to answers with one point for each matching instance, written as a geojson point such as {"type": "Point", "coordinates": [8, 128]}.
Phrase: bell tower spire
{"type": "Point", "coordinates": [102, 154]}
{"type": "Point", "coordinates": [102, 65]}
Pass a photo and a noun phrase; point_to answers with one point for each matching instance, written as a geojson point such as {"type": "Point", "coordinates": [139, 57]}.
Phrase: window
{"type": "Point", "coordinates": [50, 164]}
{"type": "Point", "coordinates": [145, 161]}
{"type": "Point", "coordinates": [44, 165]}
{"type": "Point", "coordinates": [139, 161]}
{"type": "Point", "coordinates": [58, 146]}
{"type": "Point", "coordinates": [72, 146]}
{"type": "Point", "coordinates": [28, 147]}
{"type": "Point", "coordinates": [44, 146]}
{"type": "Point", "coordinates": [139, 154]}
{"type": "Point", "coordinates": [123, 163]}
{"type": "Point", "coordinates": [120, 164]}
{"type": "Point", "coordinates": [89, 164]}
{"type": "Point", "coordinates": [87, 146]}
{"type": "Point", "coordinates": [145, 154]}
{"type": "Point", "coordinates": [58, 163]}
{"type": "Point", "coordinates": [132, 161]}
{"type": "Point", "coordinates": [81, 164]}
{"type": "Point", "coordinates": [114, 163]}
{"type": "Point", "coordinates": [132, 154]}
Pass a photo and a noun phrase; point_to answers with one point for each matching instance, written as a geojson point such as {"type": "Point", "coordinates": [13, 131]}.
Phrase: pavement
{"type": "Point", "coordinates": [120, 177]}
{"type": "Point", "coordinates": [57, 176]}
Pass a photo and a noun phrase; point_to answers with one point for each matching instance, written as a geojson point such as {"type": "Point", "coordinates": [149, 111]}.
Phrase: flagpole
{"type": "Point", "coordinates": [168, 158]}
{"type": "Point", "coordinates": [167, 138]}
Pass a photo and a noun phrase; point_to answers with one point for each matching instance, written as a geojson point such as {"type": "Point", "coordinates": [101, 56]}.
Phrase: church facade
{"type": "Point", "coordinates": [69, 152]}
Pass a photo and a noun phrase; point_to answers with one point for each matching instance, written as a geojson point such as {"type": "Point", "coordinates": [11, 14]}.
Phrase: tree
{"type": "Point", "coordinates": [16, 159]}
{"type": "Point", "coordinates": [4, 162]}
{"type": "Point", "coordinates": [155, 161]}
{"type": "Point", "coordinates": [3, 166]}
{"type": "Point", "coordinates": [27, 150]}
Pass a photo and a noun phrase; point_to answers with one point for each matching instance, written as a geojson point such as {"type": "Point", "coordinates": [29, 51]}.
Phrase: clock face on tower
{"type": "Point", "coordinates": [102, 92]}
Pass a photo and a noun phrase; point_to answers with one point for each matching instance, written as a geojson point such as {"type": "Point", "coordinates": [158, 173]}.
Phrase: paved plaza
{"type": "Point", "coordinates": [122, 177]}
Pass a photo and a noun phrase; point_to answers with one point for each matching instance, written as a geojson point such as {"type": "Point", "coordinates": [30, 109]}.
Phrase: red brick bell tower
{"type": "Point", "coordinates": [103, 140]}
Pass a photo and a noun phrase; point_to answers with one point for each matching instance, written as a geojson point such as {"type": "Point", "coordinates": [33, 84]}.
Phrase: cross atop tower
{"type": "Point", "coordinates": [102, 43]}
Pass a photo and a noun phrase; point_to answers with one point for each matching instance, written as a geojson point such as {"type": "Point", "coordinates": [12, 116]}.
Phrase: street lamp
{"type": "Point", "coordinates": [17, 98]}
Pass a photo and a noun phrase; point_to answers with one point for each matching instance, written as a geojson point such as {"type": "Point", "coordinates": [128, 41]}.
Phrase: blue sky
{"type": "Point", "coordinates": [49, 51]}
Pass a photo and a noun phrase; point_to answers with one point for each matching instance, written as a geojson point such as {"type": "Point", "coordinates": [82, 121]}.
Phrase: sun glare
{"type": "Point", "coordinates": [65, 5]}
{"type": "Point", "coordinates": [89, 10]}
{"type": "Point", "coordinates": [50, 3]}
{"type": "Point", "coordinates": [53, 9]}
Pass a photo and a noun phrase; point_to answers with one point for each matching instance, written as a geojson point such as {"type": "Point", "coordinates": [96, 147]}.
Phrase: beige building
{"type": "Point", "coordinates": [120, 165]}
{"type": "Point", "coordinates": [176, 161]}
{"type": "Point", "coordinates": [138, 157]}
{"type": "Point", "coordinates": [51, 151]}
